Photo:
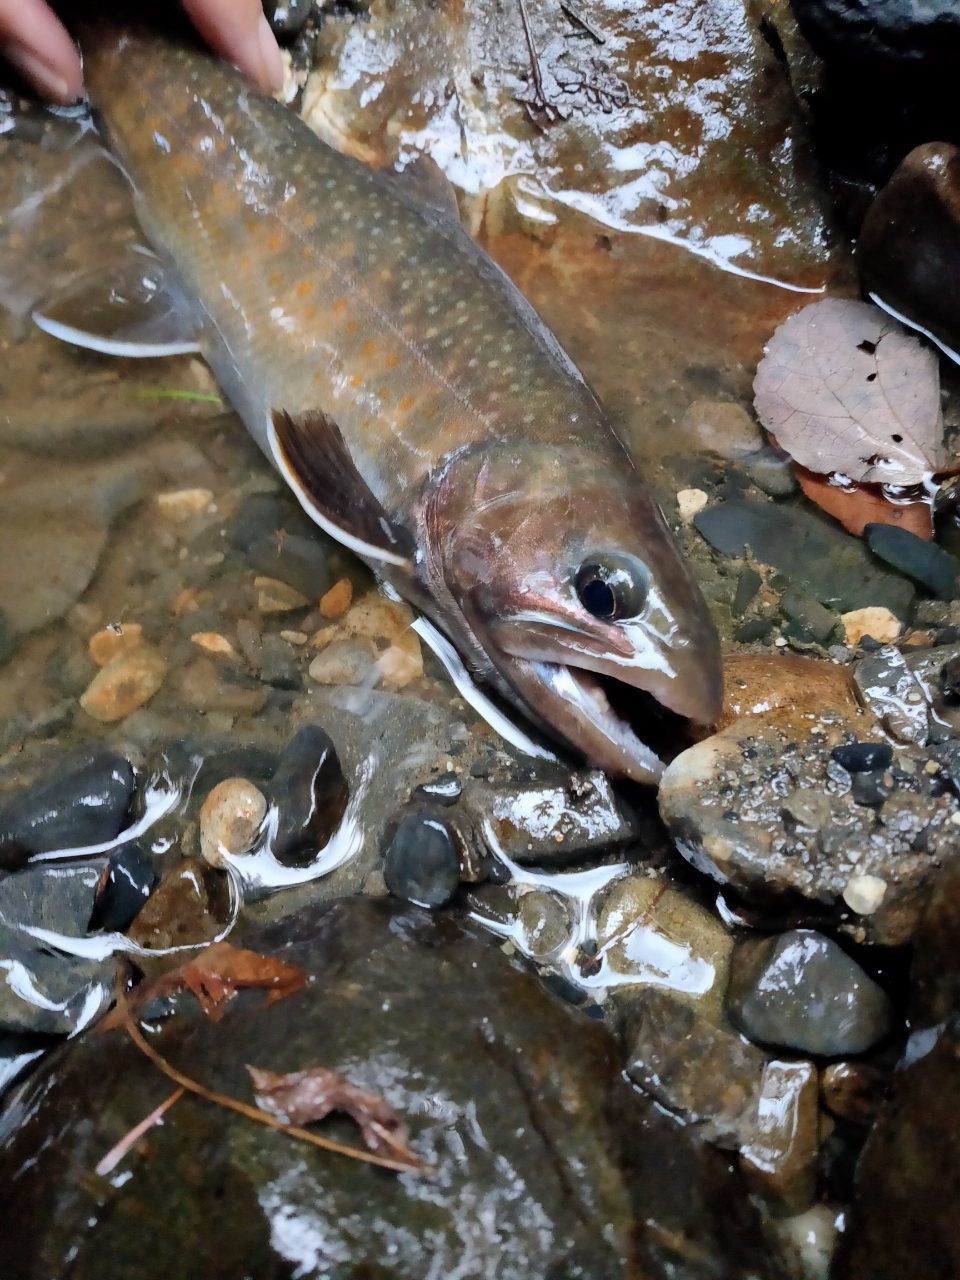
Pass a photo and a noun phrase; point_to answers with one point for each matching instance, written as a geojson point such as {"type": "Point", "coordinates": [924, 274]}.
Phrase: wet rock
{"type": "Point", "coordinates": [126, 682]}
{"type": "Point", "coordinates": [833, 566]}
{"type": "Point", "coordinates": [84, 802]}
{"type": "Point", "coordinates": [421, 862]}
{"type": "Point", "coordinates": [344, 662]}
{"type": "Point", "coordinates": [180, 505]}
{"type": "Point", "coordinates": [124, 885]}
{"type": "Point", "coordinates": [557, 819]}
{"type": "Point", "coordinates": [892, 32]}
{"type": "Point", "coordinates": [545, 921]}
{"type": "Point", "coordinates": [649, 933]}
{"type": "Point", "coordinates": [863, 757]}
{"type": "Point", "coordinates": [445, 790]}
{"type": "Point", "coordinates": [870, 788]}
{"type": "Point", "coordinates": [854, 1090]}
{"type": "Point", "coordinates": [42, 575]}
{"type": "Point", "coordinates": [7, 642]}
{"type": "Point", "coordinates": [721, 427]}
{"type": "Point", "coordinates": [19, 1054]}
{"type": "Point", "coordinates": [188, 908]}
{"type": "Point", "coordinates": [310, 795]}
{"type": "Point", "coordinates": [382, 627]}
{"type": "Point", "coordinates": [771, 470]}
{"type": "Point", "coordinates": [56, 898]}
{"type": "Point", "coordinates": [230, 819]}
{"type": "Point", "coordinates": [278, 663]}
{"type": "Point", "coordinates": [506, 1090]}
{"type": "Point", "coordinates": [864, 894]}
{"type": "Point", "coordinates": [911, 693]}
{"type": "Point", "coordinates": [807, 1241]}
{"type": "Point", "coordinates": [738, 806]}
{"type": "Point", "coordinates": [801, 607]}
{"type": "Point", "coordinates": [706, 1075]}
{"type": "Point", "coordinates": [780, 1161]}
{"type": "Point", "coordinates": [925, 562]}
{"type": "Point", "coordinates": [799, 990]}
{"type": "Point", "coordinates": [211, 686]}
{"type": "Point", "coordinates": [909, 248]}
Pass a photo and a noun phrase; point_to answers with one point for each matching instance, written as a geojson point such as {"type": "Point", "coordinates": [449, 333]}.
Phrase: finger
{"type": "Point", "coordinates": [238, 31]}
{"type": "Point", "coordinates": [32, 39]}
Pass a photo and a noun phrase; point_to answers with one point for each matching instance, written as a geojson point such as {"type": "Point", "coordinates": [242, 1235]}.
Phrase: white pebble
{"type": "Point", "coordinates": [689, 502]}
{"type": "Point", "coordinates": [230, 819]}
{"type": "Point", "coordinates": [864, 894]}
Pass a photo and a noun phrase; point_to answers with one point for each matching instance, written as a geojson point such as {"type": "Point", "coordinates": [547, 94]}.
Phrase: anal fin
{"type": "Point", "coordinates": [313, 458]}
{"type": "Point", "coordinates": [128, 309]}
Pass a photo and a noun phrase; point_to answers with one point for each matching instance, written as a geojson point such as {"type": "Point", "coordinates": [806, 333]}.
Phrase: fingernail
{"type": "Point", "coordinates": [42, 76]}
{"type": "Point", "coordinates": [269, 57]}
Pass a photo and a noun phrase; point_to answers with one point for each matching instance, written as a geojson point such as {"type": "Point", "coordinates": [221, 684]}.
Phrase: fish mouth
{"type": "Point", "coordinates": [620, 728]}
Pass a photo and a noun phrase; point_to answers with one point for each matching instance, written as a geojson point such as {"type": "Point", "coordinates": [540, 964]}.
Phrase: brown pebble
{"type": "Point", "coordinates": [119, 638]}
{"type": "Point", "coordinates": [124, 684]}
{"type": "Point", "coordinates": [213, 642]}
{"type": "Point", "coordinates": [181, 504]}
{"type": "Point", "coordinates": [185, 601]}
{"type": "Point", "coordinates": [188, 908]}
{"type": "Point", "coordinates": [853, 1091]}
{"type": "Point", "coordinates": [374, 885]}
{"type": "Point", "coordinates": [230, 819]}
{"type": "Point", "coordinates": [275, 596]}
{"type": "Point", "coordinates": [337, 600]}
{"type": "Point", "coordinates": [779, 1162]}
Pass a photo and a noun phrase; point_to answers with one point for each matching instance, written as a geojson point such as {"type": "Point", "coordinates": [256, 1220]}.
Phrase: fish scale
{"type": "Point", "coordinates": [339, 294]}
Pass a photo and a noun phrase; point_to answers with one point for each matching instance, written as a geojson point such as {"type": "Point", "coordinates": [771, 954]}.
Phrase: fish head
{"type": "Point", "coordinates": [570, 580]}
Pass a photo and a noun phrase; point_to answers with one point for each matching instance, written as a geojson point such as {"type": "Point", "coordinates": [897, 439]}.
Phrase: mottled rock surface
{"type": "Point", "coordinates": [505, 1089]}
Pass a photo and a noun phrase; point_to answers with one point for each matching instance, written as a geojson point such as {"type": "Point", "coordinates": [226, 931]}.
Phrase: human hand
{"type": "Point", "coordinates": [33, 39]}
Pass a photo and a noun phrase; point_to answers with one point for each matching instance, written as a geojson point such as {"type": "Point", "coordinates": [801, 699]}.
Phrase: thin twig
{"type": "Point", "coordinates": [116, 1153]}
{"type": "Point", "coordinates": [254, 1113]}
{"type": "Point", "coordinates": [576, 16]}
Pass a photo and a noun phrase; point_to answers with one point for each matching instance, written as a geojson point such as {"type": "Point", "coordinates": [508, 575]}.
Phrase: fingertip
{"type": "Point", "coordinates": [272, 63]}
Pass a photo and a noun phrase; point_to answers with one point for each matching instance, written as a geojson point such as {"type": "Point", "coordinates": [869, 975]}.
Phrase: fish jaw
{"type": "Point", "coordinates": [507, 570]}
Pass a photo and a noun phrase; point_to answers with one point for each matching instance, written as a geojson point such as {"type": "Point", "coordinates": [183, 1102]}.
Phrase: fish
{"type": "Point", "coordinates": [415, 403]}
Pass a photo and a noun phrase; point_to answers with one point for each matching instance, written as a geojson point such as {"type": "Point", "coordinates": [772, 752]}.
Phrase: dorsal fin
{"type": "Point", "coordinates": [312, 455]}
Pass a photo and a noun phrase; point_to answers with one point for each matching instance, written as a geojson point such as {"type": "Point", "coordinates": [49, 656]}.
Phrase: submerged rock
{"type": "Point", "coordinates": [780, 1161]}
{"type": "Point", "coordinates": [230, 819]}
{"type": "Point", "coordinates": [421, 862]}
{"type": "Point", "coordinates": [912, 694]}
{"type": "Point", "coordinates": [925, 562]}
{"type": "Point", "coordinates": [833, 566]}
{"type": "Point", "coordinates": [188, 908]}
{"type": "Point", "coordinates": [509, 1093]}
{"type": "Point", "coordinates": [125, 883]}
{"type": "Point", "coordinates": [84, 802]}
{"type": "Point", "coordinates": [799, 990]}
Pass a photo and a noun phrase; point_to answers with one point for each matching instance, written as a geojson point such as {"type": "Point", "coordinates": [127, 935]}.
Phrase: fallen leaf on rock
{"type": "Point", "coordinates": [301, 1097]}
{"type": "Point", "coordinates": [858, 505]}
{"type": "Point", "coordinates": [846, 389]}
{"type": "Point", "coordinates": [215, 975]}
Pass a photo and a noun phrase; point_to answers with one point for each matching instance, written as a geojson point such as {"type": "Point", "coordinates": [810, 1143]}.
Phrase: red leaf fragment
{"type": "Point", "coordinates": [859, 505]}
{"type": "Point", "coordinates": [214, 976]}
{"type": "Point", "coordinates": [301, 1097]}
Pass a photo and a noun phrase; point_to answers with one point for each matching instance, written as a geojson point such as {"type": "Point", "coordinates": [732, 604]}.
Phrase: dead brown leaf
{"type": "Point", "coordinates": [847, 390]}
{"type": "Point", "coordinates": [301, 1097]}
{"type": "Point", "coordinates": [858, 505]}
{"type": "Point", "coordinates": [215, 975]}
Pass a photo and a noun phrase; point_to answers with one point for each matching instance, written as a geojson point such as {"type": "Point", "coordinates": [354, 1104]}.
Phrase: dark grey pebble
{"type": "Point", "coordinates": [748, 584]}
{"type": "Point", "coordinates": [863, 757]}
{"type": "Point", "coordinates": [925, 562]}
{"type": "Point", "coordinates": [310, 793]}
{"type": "Point", "coordinates": [444, 790]}
{"type": "Point", "coordinates": [7, 641]}
{"type": "Point", "coordinates": [869, 788]}
{"type": "Point", "coordinates": [83, 803]}
{"type": "Point", "coordinates": [260, 517]}
{"type": "Point", "coordinates": [801, 608]}
{"type": "Point", "coordinates": [287, 18]}
{"type": "Point", "coordinates": [832, 566]}
{"type": "Point", "coordinates": [800, 990]}
{"type": "Point", "coordinates": [125, 884]}
{"type": "Point", "coordinates": [754, 630]}
{"type": "Point", "coordinates": [278, 664]}
{"type": "Point", "coordinates": [422, 864]}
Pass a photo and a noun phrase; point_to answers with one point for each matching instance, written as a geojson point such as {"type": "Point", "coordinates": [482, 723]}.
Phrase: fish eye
{"type": "Point", "coordinates": [612, 586]}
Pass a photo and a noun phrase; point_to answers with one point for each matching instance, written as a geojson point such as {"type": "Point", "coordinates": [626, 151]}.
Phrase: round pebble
{"type": "Point", "coordinates": [343, 662]}
{"type": "Point", "coordinates": [421, 863]}
{"type": "Point", "coordinates": [119, 638]}
{"type": "Point", "coordinates": [230, 819]}
{"type": "Point", "coordinates": [864, 894]}
{"type": "Point", "coordinates": [863, 757]}
{"type": "Point", "coordinates": [126, 682]}
{"type": "Point", "coordinates": [545, 921]}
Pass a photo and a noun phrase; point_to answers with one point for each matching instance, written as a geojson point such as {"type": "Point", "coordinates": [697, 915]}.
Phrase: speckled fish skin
{"type": "Point", "coordinates": [321, 287]}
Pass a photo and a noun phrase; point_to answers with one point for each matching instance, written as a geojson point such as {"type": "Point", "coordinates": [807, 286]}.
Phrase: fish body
{"type": "Point", "coordinates": [418, 406]}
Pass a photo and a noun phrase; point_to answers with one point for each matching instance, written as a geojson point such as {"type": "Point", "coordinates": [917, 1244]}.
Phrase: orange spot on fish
{"type": "Point", "coordinates": [309, 312]}
{"type": "Point", "coordinates": [369, 347]}
{"type": "Point", "coordinates": [309, 220]}
{"type": "Point", "coordinates": [304, 288]}
{"type": "Point", "coordinates": [346, 250]}
{"type": "Point", "coordinates": [339, 306]}
{"type": "Point", "coordinates": [356, 382]}
{"type": "Point", "coordinates": [274, 243]}
{"type": "Point", "coordinates": [392, 361]}
{"type": "Point", "coordinates": [384, 274]}
{"type": "Point", "coordinates": [252, 227]}
{"type": "Point", "coordinates": [406, 403]}
{"type": "Point", "coordinates": [245, 264]}
{"type": "Point", "coordinates": [353, 326]}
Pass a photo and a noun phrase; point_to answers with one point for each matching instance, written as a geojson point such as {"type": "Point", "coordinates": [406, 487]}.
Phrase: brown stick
{"type": "Point", "coordinates": [254, 1113]}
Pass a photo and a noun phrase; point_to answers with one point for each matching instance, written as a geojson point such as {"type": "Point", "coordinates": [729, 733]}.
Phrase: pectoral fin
{"type": "Point", "coordinates": [312, 456]}
{"type": "Point", "coordinates": [129, 309]}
